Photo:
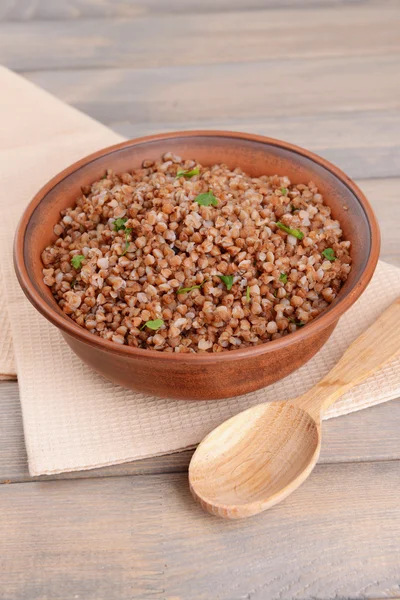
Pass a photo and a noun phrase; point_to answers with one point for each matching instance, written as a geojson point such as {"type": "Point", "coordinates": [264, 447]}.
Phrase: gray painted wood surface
{"type": "Point", "coordinates": [230, 91]}
{"type": "Point", "coordinates": [32, 10]}
{"type": "Point", "coordinates": [203, 39]}
{"type": "Point", "coordinates": [142, 537]}
{"type": "Point", "coordinates": [320, 73]}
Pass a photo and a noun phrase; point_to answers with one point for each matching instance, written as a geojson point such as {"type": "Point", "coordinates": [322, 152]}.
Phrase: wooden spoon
{"type": "Point", "coordinates": [260, 456]}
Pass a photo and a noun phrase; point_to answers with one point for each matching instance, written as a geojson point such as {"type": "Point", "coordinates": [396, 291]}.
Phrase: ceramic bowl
{"type": "Point", "coordinates": [199, 376]}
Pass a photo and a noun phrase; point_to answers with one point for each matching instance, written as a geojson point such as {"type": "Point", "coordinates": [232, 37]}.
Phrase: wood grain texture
{"type": "Point", "coordinates": [31, 10]}
{"type": "Point", "coordinates": [142, 537]}
{"type": "Point", "coordinates": [368, 435]}
{"type": "Point", "coordinates": [254, 460]}
{"type": "Point", "coordinates": [384, 195]}
{"type": "Point", "coordinates": [231, 91]}
{"type": "Point", "coordinates": [362, 143]}
{"type": "Point", "coordinates": [162, 40]}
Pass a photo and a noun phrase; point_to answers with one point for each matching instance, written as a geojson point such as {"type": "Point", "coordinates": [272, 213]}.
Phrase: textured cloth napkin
{"type": "Point", "coordinates": [73, 418]}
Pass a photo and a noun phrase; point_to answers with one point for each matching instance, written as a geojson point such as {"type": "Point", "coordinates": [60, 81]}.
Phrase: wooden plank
{"type": "Point", "coordinates": [363, 143]}
{"type": "Point", "coordinates": [176, 40]}
{"type": "Point", "coordinates": [143, 537]}
{"type": "Point", "coordinates": [331, 131]}
{"type": "Point", "coordinates": [384, 195]}
{"type": "Point", "coordinates": [29, 10]}
{"type": "Point", "coordinates": [363, 436]}
{"type": "Point", "coordinates": [275, 88]}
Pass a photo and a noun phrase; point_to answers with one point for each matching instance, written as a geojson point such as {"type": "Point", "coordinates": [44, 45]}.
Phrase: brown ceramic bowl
{"type": "Point", "coordinates": [199, 376]}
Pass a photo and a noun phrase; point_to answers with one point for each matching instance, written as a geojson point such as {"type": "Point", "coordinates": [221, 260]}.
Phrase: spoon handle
{"type": "Point", "coordinates": [368, 353]}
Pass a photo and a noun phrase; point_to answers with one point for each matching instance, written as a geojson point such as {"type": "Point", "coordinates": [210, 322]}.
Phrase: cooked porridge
{"type": "Point", "coordinates": [179, 257]}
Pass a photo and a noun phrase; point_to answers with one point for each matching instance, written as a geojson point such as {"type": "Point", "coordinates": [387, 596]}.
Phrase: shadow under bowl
{"type": "Point", "coordinates": [199, 376]}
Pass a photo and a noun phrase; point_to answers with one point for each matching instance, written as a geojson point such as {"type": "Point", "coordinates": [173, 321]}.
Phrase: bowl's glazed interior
{"type": "Point", "coordinates": [202, 375]}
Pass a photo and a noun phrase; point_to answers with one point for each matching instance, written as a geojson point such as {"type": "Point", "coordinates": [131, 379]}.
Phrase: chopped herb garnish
{"type": "Point", "coordinates": [227, 280]}
{"type": "Point", "coordinates": [297, 323]}
{"type": "Point", "coordinates": [284, 191]}
{"type": "Point", "coordinates": [283, 277]}
{"type": "Point", "coordinates": [72, 284]}
{"type": "Point", "coordinates": [104, 176]}
{"type": "Point", "coordinates": [329, 253]}
{"type": "Point", "coordinates": [295, 232]}
{"type": "Point", "coordinates": [188, 174]}
{"type": "Point", "coordinates": [207, 199]}
{"type": "Point", "coordinates": [77, 260]}
{"type": "Point", "coordinates": [275, 293]}
{"type": "Point", "coordinates": [153, 324]}
{"type": "Point", "coordinates": [248, 293]}
{"type": "Point", "coordinates": [128, 231]}
{"type": "Point", "coordinates": [189, 289]}
{"type": "Point", "coordinates": [120, 224]}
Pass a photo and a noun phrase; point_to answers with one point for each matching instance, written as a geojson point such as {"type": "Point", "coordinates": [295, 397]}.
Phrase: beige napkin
{"type": "Point", "coordinates": [73, 418]}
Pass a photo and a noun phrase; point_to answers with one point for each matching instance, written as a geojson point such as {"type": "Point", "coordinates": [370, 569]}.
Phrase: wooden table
{"type": "Point", "coordinates": [320, 73]}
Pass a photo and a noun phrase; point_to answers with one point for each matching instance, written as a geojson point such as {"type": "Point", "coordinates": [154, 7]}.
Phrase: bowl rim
{"type": "Point", "coordinates": [69, 327]}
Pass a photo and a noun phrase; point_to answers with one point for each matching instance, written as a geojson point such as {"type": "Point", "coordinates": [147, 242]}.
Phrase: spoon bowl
{"type": "Point", "coordinates": [255, 459]}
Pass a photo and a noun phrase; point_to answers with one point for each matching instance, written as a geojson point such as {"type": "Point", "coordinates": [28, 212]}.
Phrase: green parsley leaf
{"type": "Point", "coordinates": [72, 284]}
{"type": "Point", "coordinates": [120, 224]}
{"type": "Point", "coordinates": [104, 176]}
{"type": "Point", "coordinates": [206, 199]}
{"type": "Point", "coordinates": [128, 231]}
{"type": "Point", "coordinates": [276, 293]}
{"type": "Point", "coordinates": [298, 323]}
{"type": "Point", "coordinates": [284, 191]}
{"type": "Point", "coordinates": [296, 232]}
{"type": "Point", "coordinates": [227, 280]}
{"type": "Point", "coordinates": [188, 174]}
{"type": "Point", "coordinates": [329, 253]}
{"type": "Point", "coordinates": [189, 289]}
{"type": "Point", "coordinates": [154, 325]}
{"type": "Point", "coordinates": [76, 261]}
{"type": "Point", "coordinates": [248, 293]}
{"type": "Point", "coordinates": [283, 277]}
